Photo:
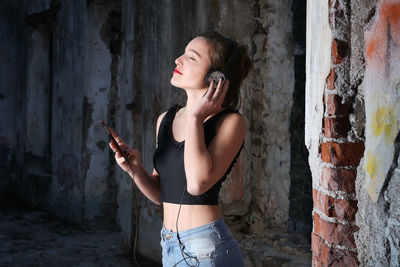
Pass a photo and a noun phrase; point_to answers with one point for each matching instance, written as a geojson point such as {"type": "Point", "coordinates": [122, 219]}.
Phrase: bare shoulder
{"type": "Point", "coordinates": [233, 119]}
{"type": "Point", "coordinates": [234, 124]}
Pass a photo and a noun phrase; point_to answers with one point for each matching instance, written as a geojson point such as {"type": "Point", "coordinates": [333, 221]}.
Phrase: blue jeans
{"type": "Point", "coordinates": [207, 245]}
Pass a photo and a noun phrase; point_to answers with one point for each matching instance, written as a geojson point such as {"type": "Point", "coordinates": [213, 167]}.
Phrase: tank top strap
{"type": "Point", "coordinates": [164, 131]}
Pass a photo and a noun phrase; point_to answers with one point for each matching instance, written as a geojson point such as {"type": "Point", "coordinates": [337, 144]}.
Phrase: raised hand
{"type": "Point", "coordinates": [211, 102]}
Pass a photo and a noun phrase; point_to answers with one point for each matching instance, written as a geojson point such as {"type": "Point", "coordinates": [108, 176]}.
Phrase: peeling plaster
{"type": "Point", "coordinates": [318, 63]}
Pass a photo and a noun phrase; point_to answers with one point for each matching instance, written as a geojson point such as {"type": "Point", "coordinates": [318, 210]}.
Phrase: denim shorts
{"type": "Point", "coordinates": [211, 244]}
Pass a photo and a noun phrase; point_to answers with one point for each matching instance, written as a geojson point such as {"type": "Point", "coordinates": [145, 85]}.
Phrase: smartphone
{"type": "Point", "coordinates": [111, 137]}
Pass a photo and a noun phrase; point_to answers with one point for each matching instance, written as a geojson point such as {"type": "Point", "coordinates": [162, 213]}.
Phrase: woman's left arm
{"type": "Point", "coordinates": [205, 166]}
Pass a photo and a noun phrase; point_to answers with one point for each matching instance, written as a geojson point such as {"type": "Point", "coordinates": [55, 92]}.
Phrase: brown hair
{"type": "Point", "coordinates": [221, 51]}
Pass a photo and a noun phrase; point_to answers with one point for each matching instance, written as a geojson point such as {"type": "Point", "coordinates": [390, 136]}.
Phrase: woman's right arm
{"type": "Point", "coordinates": [149, 184]}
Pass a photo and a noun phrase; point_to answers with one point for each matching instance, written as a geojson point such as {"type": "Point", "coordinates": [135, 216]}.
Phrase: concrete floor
{"type": "Point", "coordinates": [30, 237]}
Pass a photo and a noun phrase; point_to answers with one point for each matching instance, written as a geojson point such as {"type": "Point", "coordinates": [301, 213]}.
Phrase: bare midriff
{"type": "Point", "coordinates": [190, 216]}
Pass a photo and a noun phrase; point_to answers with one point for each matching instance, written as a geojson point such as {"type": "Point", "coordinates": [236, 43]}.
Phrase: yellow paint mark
{"type": "Point", "coordinates": [371, 167]}
{"type": "Point", "coordinates": [384, 122]}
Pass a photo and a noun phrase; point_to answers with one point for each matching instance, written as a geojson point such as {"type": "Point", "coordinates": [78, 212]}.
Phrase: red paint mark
{"type": "Point", "coordinates": [387, 24]}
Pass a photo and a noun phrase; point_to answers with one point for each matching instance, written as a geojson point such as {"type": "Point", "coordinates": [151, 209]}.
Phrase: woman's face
{"type": "Point", "coordinates": [192, 66]}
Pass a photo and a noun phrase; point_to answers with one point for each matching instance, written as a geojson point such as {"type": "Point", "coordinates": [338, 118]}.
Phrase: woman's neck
{"type": "Point", "coordinates": [193, 96]}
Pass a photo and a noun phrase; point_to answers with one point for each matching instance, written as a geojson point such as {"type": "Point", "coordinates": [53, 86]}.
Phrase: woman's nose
{"type": "Point", "coordinates": [178, 61]}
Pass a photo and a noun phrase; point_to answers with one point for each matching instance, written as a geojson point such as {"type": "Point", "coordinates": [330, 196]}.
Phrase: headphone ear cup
{"type": "Point", "coordinates": [215, 76]}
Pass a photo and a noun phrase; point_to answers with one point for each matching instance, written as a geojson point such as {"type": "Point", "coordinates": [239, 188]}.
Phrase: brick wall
{"type": "Point", "coordinates": [334, 197]}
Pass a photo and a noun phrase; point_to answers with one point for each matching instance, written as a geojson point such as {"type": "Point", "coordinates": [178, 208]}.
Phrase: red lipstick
{"type": "Point", "coordinates": [177, 71]}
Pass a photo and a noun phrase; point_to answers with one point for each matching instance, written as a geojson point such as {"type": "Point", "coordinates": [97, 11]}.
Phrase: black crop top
{"type": "Point", "coordinates": [168, 162]}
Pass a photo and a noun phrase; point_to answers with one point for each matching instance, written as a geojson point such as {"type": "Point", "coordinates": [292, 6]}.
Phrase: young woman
{"type": "Point", "coordinates": [197, 146]}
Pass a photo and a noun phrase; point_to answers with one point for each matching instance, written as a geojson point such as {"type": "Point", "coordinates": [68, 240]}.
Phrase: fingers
{"type": "Point", "coordinates": [125, 155]}
{"type": "Point", "coordinates": [113, 146]}
{"type": "Point", "coordinates": [218, 89]}
{"type": "Point", "coordinates": [210, 91]}
{"type": "Point", "coordinates": [221, 91]}
{"type": "Point", "coordinates": [119, 159]}
{"type": "Point", "coordinates": [124, 149]}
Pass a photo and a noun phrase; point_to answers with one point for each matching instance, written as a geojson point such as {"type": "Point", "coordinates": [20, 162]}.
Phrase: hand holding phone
{"type": "Point", "coordinates": [124, 154]}
{"type": "Point", "coordinates": [111, 136]}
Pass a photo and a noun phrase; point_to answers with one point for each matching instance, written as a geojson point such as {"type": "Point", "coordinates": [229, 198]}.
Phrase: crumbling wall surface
{"type": "Point", "coordinates": [267, 101]}
{"type": "Point", "coordinates": [74, 71]}
{"type": "Point", "coordinates": [378, 183]}
{"type": "Point", "coordinates": [68, 104]}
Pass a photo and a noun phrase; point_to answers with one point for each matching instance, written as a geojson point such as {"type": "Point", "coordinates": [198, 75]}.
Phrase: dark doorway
{"type": "Point", "coordinates": [301, 205]}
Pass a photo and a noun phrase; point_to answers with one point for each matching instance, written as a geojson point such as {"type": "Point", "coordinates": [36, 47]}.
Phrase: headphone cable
{"type": "Point", "coordinates": [181, 246]}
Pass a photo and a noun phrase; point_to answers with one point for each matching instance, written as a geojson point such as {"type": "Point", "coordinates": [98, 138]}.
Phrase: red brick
{"type": "Point", "coordinates": [316, 262]}
{"type": "Point", "coordinates": [336, 127]}
{"type": "Point", "coordinates": [335, 233]}
{"type": "Point", "coordinates": [342, 154]}
{"type": "Point", "coordinates": [335, 106]}
{"type": "Point", "coordinates": [331, 79]}
{"type": "Point", "coordinates": [338, 179]}
{"type": "Point", "coordinates": [337, 208]}
{"type": "Point", "coordinates": [339, 50]}
{"type": "Point", "coordinates": [318, 247]}
{"type": "Point", "coordinates": [330, 256]}
{"type": "Point", "coordinates": [315, 244]}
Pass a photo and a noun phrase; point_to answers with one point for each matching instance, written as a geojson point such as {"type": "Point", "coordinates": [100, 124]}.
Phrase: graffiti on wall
{"type": "Point", "coordinates": [382, 95]}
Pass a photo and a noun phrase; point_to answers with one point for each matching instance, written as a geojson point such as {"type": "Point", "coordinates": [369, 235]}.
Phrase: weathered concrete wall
{"type": "Point", "coordinates": [378, 184]}
{"type": "Point", "coordinates": [73, 71]}
{"type": "Point", "coordinates": [68, 130]}
{"type": "Point", "coordinates": [267, 105]}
